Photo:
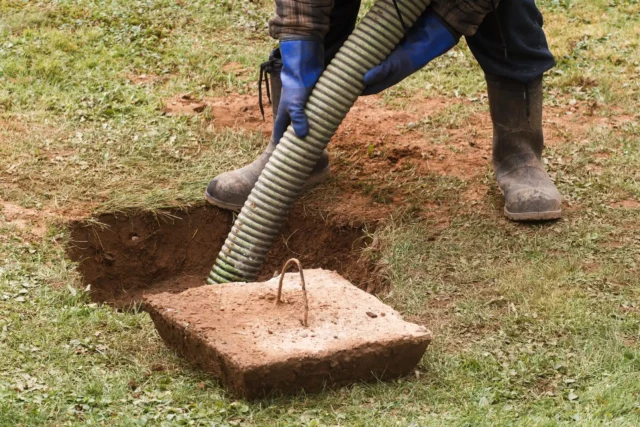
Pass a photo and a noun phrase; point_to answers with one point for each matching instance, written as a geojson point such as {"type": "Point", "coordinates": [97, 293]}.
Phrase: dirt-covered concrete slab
{"type": "Point", "coordinates": [254, 346]}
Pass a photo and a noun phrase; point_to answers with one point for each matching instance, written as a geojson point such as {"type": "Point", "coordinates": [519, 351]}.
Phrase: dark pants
{"type": "Point", "coordinates": [343, 21]}
{"type": "Point", "coordinates": [509, 43]}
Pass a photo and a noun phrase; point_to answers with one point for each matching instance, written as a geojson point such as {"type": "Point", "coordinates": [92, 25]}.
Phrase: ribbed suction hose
{"type": "Point", "coordinates": [281, 181]}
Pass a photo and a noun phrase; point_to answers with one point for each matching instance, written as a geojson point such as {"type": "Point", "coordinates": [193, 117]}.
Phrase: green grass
{"type": "Point", "coordinates": [535, 325]}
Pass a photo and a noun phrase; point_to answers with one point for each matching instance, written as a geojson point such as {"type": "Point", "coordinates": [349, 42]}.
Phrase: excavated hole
{"type": "Point", "coordinates": [125, 255]}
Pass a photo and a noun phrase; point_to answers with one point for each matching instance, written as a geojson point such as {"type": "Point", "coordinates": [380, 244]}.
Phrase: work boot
{"type": "Point", "coordinates": [516, 112]}
{"type": "Point", "coordinates": [231, 189]}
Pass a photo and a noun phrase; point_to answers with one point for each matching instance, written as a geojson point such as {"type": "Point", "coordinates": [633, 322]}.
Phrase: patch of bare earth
{"type": "Point", "coordinates": [35, 222]}
{"type": "Point", "coordinates": [183, 105]}
{"type": "Point", "coordinates": [375, 139]}
{"type": "Point", "coordinates": [25, 219]}
{"type": "Point", "coordinates": [626, 204]}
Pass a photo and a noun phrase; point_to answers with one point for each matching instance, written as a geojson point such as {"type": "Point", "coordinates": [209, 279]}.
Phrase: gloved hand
{"type": "Point", "coordinates": [426, 40]}
{"type": "Point", "coordinates": [302, 65]}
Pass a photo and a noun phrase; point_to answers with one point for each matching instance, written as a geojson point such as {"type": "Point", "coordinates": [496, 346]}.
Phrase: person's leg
{"type": "Point", "coordinates": [231, 189]}
{"type": "Point", "coordinates": [512, 50]}
{"type": "Point", "coordinates": [511, 43]}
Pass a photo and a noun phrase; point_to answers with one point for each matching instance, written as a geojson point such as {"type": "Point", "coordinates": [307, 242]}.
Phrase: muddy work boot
{"type": "Point", "coordinates": [231, 189]}
{"type": "Point", "coordinates": [516, 112]}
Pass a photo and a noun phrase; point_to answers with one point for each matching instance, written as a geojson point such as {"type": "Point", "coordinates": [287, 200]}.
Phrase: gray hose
{"type": "Point", "coordinates": [290, 165]}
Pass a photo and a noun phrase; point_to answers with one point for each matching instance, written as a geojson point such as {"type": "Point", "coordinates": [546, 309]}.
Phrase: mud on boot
{"type": "Point", "coordinates": [516, 112]}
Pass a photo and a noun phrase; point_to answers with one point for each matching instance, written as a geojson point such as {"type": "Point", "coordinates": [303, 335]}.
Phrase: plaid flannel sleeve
{"type": "Point", "coordinates": [310, 19]}
{"type": "Point", "coordinates": [301, 19]}
{"type": "Point", "coordinates": [464, 16]}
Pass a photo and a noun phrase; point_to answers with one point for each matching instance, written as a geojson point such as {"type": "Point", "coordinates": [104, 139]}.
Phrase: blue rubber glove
{"type": "Point", "coordinates": [302, 65]}
{"type": "Point", "coordinates": [426, 40]}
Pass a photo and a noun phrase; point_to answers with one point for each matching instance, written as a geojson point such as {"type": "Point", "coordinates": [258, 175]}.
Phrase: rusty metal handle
{"type": "Point", "coordinates": [305, 321]}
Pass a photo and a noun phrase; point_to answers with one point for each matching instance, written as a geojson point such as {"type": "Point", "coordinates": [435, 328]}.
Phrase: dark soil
{"type": "Point", "coordinates": [254, 346]}
{"type": "Point", "coordinates": [126, 255]}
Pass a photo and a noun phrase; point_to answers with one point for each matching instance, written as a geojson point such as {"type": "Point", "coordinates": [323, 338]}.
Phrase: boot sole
{"type": "Point", "coordinates": [314, 179]}
{"type": "Point", "coordinates": [533, 216]}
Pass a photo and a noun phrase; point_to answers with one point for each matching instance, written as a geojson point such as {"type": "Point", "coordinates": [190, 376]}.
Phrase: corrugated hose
{"type": "Point", "coordinates": [283, 178]}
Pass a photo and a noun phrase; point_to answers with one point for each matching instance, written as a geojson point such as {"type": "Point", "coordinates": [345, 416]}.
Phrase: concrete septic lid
{"type": "Point", "coordinates": [239, 334]}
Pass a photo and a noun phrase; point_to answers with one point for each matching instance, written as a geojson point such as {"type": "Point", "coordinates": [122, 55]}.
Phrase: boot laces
{"type": "Point", "coordinates": [266, 68]}
{"type": "Point", "coordinates": [264, 77]}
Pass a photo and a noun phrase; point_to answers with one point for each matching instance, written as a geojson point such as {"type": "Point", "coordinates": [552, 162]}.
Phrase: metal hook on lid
{"type": "Point", "coordinates": [305, 321]}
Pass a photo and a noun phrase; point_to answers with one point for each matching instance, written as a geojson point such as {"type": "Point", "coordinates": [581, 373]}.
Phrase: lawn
{"type": "Point", "coordinates": [132, 106]}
